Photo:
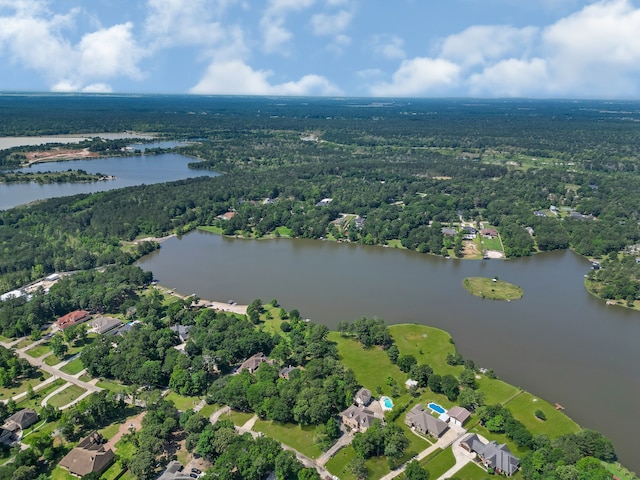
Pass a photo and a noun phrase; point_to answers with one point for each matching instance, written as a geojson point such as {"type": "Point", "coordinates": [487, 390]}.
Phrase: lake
{"type": "Point", "coordinates": [557, 342]}
{"type": "Point", "coordinates": [129, 171]}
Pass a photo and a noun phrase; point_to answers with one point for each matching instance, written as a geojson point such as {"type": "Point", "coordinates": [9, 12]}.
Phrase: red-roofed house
{"type": "Point", "coordinates": [72, 318]}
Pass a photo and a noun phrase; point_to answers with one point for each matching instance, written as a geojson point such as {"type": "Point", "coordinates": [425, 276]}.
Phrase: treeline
{"type": "Point", "coordinates": [618, 278]}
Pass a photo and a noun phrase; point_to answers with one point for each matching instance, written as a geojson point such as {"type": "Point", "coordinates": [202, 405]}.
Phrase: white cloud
{"type": "Point", "coordinates": [324, 24]}
{"type": "Point", "coordinates": [275, 35]}
{"type": "Point", "coordinates": [510, 78]}
{"type": "Point", "coordinates": [234, 77]}
{"type": "Point", "coordinates": [596, 50]}
{"type": "Point", "coordinates": [389, 46]}
{"type": "Point", "coordinates": [419, 76]}
{"type": "Point", "coordinates": [109, 52]}
{"type": "Point", "coordinates": [481, 44]}
{"type": "Point", "coordinates": [98, 88]}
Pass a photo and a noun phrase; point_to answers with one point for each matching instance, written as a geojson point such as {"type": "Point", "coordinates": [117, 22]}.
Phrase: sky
{"type": "Point", "coordinates": [362, 48]}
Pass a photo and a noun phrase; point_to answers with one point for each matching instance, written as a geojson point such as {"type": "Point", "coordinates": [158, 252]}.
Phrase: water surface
{"type": "Point", "coordinates": [557, 341]}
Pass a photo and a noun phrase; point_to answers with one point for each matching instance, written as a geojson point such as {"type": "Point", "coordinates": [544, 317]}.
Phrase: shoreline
{"type": "Point", "coordinates": [216, 305]}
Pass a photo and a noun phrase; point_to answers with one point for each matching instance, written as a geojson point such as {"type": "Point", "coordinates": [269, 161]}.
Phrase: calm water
{"type": "Point", "coordinates": [557, 341]}
{"type": "Point", "coordinates": [129, 171]}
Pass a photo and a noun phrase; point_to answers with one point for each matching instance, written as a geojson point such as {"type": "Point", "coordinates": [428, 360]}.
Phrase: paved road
{"type": "Point", "coordinates": [342, 442]}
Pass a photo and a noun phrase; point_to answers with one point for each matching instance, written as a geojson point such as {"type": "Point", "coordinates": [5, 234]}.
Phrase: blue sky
{"type": "Point", "coordinates": [378, 48]}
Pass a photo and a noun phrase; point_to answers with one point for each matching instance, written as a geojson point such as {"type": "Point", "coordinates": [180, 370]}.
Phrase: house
{"type": "Point", "coordinates": [16, 423]}
{"type": "Point", "coordinates": [357, 418]}
{"type": "Point", "coordinates": [102, 325]}
{"type": "Point", "coordinates": [449, 232]}
{"type": "Point", "coordinates": [468, 230]}
{"type": "Point", "coordinates": [458, 415]}
{"type": "Point", "coordinates": [540, 213]}
{"type": "Point", "coordinates": [182, 331]}
{"type": "Point", "coordinates": [227, 216]}
{"type": "Point", "coordinates": [423, 422]}
{"type": "Point", "coordinates": [324, 202]}
{"type": "Point", "coordinates": [252, 363]}
{"type": "Point", "coordinates": [492, 455]}
{"type": "Point", "coordinates": [286, 371]}
{"type": "Point", "coordinates": [529, 230]}
{"type": "Point", "coordinates": [489, 233]}
{"type": "Point", "coordinates": [11, 294]}
{"type": "Point", "coordinates": [174, 472]}
{"type": "Point", "coordinates": [72, 318]}
{"type": "Point", "coordinates": [362, 397]}
{"type": "Point", "coordinates": [89, 456]}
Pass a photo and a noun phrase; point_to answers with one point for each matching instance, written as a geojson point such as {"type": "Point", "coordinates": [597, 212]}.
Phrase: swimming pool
{"type": "Point", "coordinates": [436, 408]}
{"type": "Point", "coordinates": [386, 402]}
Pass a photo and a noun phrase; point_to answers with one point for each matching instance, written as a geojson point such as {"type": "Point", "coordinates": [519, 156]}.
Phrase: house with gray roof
{"type": "Point", "coordinates": [492, 455]}
{"type": "Point", "coordinates": [362, 397]}
{"type": "Point", "coordinates": [182, 331]}
{"type": "Point", "coordinates": [357, 418]}
{"type": "Point", "coordinates": [423, 422]}
{"type": "Point", "coordinates": [16, 423]}
{"type": "Point", "coordinates": [102, 324]}
{"type": "Point", "coordinates": [174, 472]}
{"type": "Point", "coordinates": [458, 415]}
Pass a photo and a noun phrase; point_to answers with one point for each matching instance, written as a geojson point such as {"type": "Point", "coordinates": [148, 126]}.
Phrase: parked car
{"type": "Point", "coordinates": [195, 470]}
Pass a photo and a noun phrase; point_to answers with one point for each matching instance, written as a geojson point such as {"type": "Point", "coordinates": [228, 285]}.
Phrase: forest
{"type": "Point", "coordinates": [404, 168]}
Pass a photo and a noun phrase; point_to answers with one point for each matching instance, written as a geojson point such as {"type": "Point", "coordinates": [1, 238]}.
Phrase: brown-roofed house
{"type": "Point", "coordinates": [357, 418]}
{"type": "Point", "coordinates": [16, 423]}
{"type": "Point", "coordinates": [72, 318]}
{"type": "Point", "coordinates": [88, 457]}
{"type": "Point", "coordinates": [489, 233]}
{"type": "Point", "coordinates": [253, 362]}
{"type": "Point", "coordinates": [420, 420]}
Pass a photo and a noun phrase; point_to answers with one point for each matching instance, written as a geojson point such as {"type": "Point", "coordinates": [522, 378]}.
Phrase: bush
{"type": "Point", "coordinates": [540, 414]}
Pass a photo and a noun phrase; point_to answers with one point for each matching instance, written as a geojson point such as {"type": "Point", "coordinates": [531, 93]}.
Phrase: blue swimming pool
{"type": "Point", "coordinates": [387, 403]}
{"type": "Point", "coordinates": [436, 408]}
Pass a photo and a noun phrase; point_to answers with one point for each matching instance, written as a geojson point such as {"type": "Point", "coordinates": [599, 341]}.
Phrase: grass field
{"type": "Point", "coordinates": [440, 463]}
{"type": "Point", "coordinates": [23, 343]}
{"type": "Point", "coordinates": [557, 423]}
{"type": "Point", "coordinates": [68, 395]}
{"type": "Point", "coordinates": [114, 472]}
{"type": "Point", "coordinates": [73, 367]}
{"type": "Point", "coordinates": [211, 229]}
{"type": "Point", "coordinates": [472, 471]}
{"type": "Point", "coordinates": [427, 344]}
{"type": "Point", "coordinates": [339, 463]}
{"type": "Point", "coordinates": [60, 473]}
{"type": "Point", "coordinates": [300, 438]}
{"type": "Point", "coordinates": [39, 395]}
{"type": "Point", "coordinates": [368, 364]}
{"type": "Point", "coordinates": [492, 244]}
{"type": "Point", "coordinates": [495, 390]}
{"type": "Point", "coordinates": [182, 402]}
{"type": "Point", "coordinates": [111, 385]}
{"type": "Point", "coordinates": [23, 385]}
{"type": "Point", "coordinates": [238, 418]}
{"type": "Point", "coordinates": [493, 290]}
{"type": "Point", "coordinates": [208, 410]}
{"type": "Point", "coordinates": [39, 350]}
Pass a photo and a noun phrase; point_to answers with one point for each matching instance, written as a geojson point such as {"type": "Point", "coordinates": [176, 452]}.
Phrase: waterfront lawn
{"type": "Point", "coordinates": [395, 244]}
{"type": "Point", "coordinates": [296, 436]}
{"type": "Point", "coordinates": [557, 423]}
{"type": "Point", "coordinates": [66, 396]}
{"type": "Point", "coordinates": [182, 402]}
{"type": "Point", "coordinates": [619, 471]}
{"type": "Point", "coordinates": [427, 344]}
{"type": "Point", "coordinates": [39, 350]}
{"type": "Point", "coordinates": [73, 367]}
{"type": "Point", "coordinates": [496, 391]}
{"type": "Point", "coordinates": [371, 367]}
{"type": "Point", "coordinates": [211, 229]}
{"type": "Point", "coordinates": [492, 244]}
{"type": "Point", "coordinates": [284, 232]}
{"type": "Point", "coordinates": [493, 290]}
{"type": "Point", "coordinates": [440, 463]}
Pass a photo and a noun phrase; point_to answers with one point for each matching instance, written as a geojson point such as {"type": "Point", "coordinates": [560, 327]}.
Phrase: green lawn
{"type": "Point", "coordinates": [300, 438]}
{"type": "Point", "coordinates": [440, 463]}
{"type": "Point", "coordinates": [496, 391]}
{"type": "Point", "coordinates": [284, 231]}
{"type": "Point", "coordinates": [395, 244]}
{"type": "Point", "coordinates": [208, 410]}
{"type": "Point", "coordinates": [114, 470]}
{"type": "Point", "coordinates": [338, 464]}
{"type": "Point", "coordinates": [211, 229]}
{"type": "Point", "coordinates": [182, 402]}
{"type": "Point", "coordinates": [68, 395]}
{"type": "Point", "coordinates": [125, 449]}
{"type": "Point", "coordinates": [73, 367]}
{"type": "Point", "coordinates": [367, 365]}
{"type": "Point", "coordinates": [111, 385]}
{"type": "Point", "coordinates": [23, 343]}
{"type": "Point", "coordinates": [60, 473]}
{"type": "Point", "coordinates": [492, 289]}
{"type": "Point", "coordinates": [620, 471]}
{"type": "Point", "coordinates": [416, 443]}
{"type": "Point", "coordinates": [472, 471]}
{"type": "Point", "coordinates": [492, 244]}
{"type": "Point", "coordinates": [39, 350]}
{"type": "Point", "coordinates": [238, 418]}
{"type": "Point", "coordinates": [39, 395]}
{"type": "Point", "coordinates": [23, 384]}
{"type": "Point", "coordinates": [557, 423]}
{"type": "Point", "coordinates": [427, 344]}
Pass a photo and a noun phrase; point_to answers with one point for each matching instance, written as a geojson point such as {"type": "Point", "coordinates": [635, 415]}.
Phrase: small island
{"type": "Point", "coordinates": [492, 288]}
